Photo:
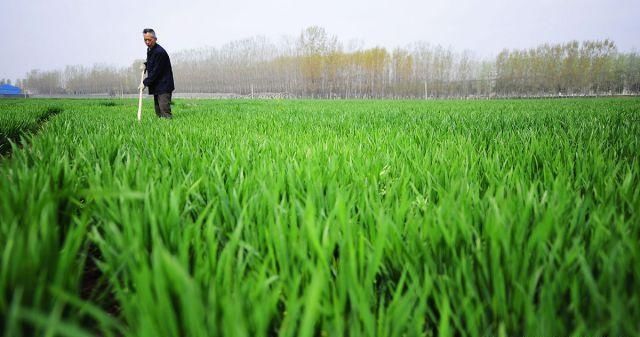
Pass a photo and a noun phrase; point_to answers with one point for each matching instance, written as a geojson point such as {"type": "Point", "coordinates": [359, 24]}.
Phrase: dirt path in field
{"type": "Point", "coordinates": [14, 135]}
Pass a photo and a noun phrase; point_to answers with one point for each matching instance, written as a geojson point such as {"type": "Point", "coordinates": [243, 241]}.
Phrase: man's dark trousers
{"type": "Point", "coordinates": [162, 104]}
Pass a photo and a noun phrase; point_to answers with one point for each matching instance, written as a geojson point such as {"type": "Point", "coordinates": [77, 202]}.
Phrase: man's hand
{"type": "Point", "coordinates": [141, 86]}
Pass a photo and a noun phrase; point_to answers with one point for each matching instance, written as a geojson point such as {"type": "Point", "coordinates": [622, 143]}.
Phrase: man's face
{"type": "Point", "coordinates": [149, 40]}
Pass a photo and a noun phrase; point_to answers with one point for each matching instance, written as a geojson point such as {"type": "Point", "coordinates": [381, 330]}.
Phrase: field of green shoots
{"type": "Point", "coordinates": [320, 218]}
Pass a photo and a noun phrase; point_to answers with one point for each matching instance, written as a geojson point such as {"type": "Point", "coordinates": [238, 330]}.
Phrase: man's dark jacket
{"type": "Point", "coordinates": [159, 74]}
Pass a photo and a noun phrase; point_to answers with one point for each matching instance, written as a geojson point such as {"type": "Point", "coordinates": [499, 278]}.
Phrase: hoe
{"type": "Point", "coordinates": [140, 97]}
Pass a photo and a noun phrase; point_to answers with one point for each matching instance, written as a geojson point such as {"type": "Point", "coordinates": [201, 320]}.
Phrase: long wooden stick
{"type": "Point", "coordinates": [140, 98]}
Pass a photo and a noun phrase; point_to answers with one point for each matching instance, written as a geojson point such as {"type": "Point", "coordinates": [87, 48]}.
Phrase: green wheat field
{"type": "Point", "coordinates": [320, 218]}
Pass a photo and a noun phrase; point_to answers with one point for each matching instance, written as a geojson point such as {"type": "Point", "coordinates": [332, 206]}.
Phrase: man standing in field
{"type": "Point", "coordinates": [159, 75]}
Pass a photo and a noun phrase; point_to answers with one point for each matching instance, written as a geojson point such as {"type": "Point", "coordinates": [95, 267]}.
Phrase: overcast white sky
{"type": "Point", "coordinates": [46, 34]}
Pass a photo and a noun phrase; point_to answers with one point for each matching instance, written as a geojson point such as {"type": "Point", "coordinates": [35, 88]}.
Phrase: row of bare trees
{"type": "Point", "coordinates": [316, 64]}
{"type": "Point", "coordinates": [593, 67]}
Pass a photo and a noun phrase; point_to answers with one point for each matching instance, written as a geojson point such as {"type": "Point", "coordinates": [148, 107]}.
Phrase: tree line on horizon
{"type": "Point", "coordinates": [317, 65]}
